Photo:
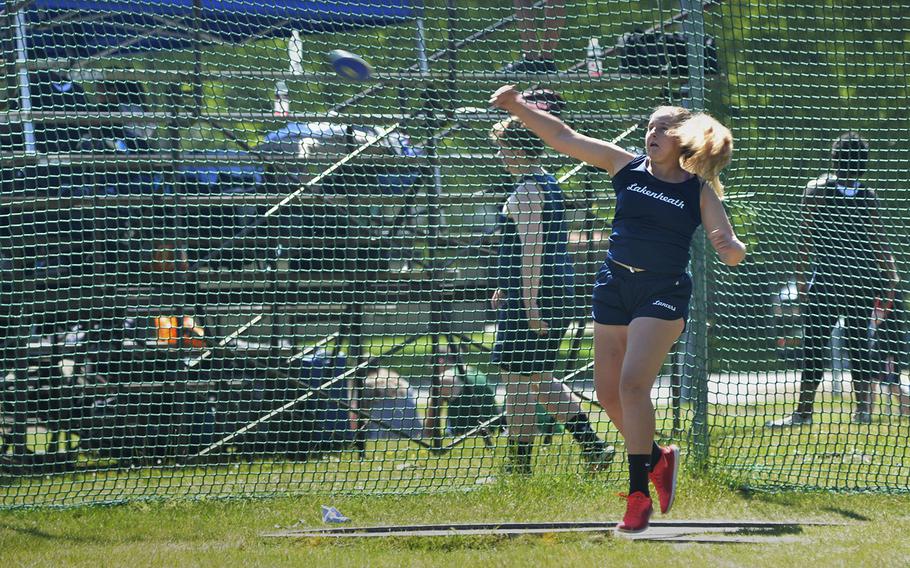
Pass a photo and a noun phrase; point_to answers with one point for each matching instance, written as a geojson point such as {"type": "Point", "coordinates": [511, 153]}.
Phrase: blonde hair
{"type": "Point", "coordinates": [677, 114]}
{"type": "Point", "coordinates": [706, 147]}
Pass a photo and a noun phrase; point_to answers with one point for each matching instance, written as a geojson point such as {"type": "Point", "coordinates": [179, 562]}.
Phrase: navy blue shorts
{"type": "Point", "coordinates": [520, 350]}
{"type": "Point", "coordinates": [621, 296]}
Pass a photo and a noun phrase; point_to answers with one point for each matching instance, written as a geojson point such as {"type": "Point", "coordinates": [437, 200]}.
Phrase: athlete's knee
{"type": "Point", "coordinates": [633, 386]}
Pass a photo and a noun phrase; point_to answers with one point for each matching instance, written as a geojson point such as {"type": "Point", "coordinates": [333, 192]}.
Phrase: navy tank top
{"type": "Point", "coordinates": [556, 296]}
{"type": "Point", "coordinates": [654, 220]}
{"type": "Point", "coordinates": [843, 232]}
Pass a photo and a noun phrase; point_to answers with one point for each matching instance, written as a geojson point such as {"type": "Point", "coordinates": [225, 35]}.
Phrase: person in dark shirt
{"type": "Point", "coordinates": [851, 265]}
{"type": "Point", "coordinates": [535, 302]}
{"type": "Point", "coordinates": [641, 295]}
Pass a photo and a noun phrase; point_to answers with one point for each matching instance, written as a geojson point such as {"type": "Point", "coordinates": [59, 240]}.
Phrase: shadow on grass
{"type": "Point", "coordinates": [44, 535]}
{"type": "Point", "coordinates": [778, 530]}
{"type": "Point", "coordinates": [852, 515]}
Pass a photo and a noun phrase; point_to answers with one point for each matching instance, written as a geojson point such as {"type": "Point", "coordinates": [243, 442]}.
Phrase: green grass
{"type": "Point", "coordinates": [399, 484]}
{"type": "Point", "coordinates": [831, 455]}
{"type": "Point", "coordinates": [227, 533]}
{"type": "Point", "coordinates": [388, 467]}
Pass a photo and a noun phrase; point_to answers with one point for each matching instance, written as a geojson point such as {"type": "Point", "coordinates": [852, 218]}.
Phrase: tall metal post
{"type": "Point", "coordinates": [355, 353]}
{"type": "Point", "coordinates": [25, 93]}
{"type": "Point", "coordinates": [439, 309]}
{"type": "Point", "coordinates": [694, 27]}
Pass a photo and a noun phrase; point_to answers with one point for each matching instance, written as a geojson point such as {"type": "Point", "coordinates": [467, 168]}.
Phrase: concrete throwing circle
{"type": "Point", "coordinates": [720, 531]}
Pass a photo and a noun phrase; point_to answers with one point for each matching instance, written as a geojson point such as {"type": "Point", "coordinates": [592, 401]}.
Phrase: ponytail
{"type": "Point", "coordinates": [707, 146]}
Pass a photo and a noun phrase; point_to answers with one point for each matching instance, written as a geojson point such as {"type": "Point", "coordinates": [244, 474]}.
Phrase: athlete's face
{"type": "Point", "coordinates": [660, 146]}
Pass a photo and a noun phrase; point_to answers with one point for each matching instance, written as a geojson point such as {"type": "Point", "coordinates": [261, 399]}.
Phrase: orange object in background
{"type": "Point", "coordinates": [169, 332]}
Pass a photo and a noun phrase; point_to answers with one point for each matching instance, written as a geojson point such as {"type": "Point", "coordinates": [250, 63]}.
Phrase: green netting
{"type": "Point", "coordinates": [230, 271]}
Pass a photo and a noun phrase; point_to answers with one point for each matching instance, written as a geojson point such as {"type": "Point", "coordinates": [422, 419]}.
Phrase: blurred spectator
{"type": "Point", "coordinates": [535, 302]}
{"type": "Point", "coordinates": [889, 348]}
{"type": "Point", "coordinates": [470, 398]}
{"type": "Point", "coordinates": [387, 396]}
{"type": "Point", "coordinates": [843, 242]}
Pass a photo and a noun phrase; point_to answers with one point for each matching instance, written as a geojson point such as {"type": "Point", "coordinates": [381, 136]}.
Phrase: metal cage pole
{"type": "Point", "coordinates": [697, 344]}
{"type": "Point", "coordinates": [439, 308]}
{"type": "Point", "coordinates": [25, 95]}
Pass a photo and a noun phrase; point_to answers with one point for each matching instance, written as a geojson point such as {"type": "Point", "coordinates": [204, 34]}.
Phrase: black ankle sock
{"type": "Point", "coordinates": [520, 452]}
{"type": "Point", "coordinates": [581, 429]}
{"type": "Point", "coordinates": [638, 473]}
{"type": "Point", "coordinates": [523, 450]}
{"type": "Point", "coordinates": [655, 456]}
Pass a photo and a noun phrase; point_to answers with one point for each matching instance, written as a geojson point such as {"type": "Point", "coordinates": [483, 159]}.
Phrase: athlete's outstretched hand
{"type": "Point", "coordinates": [506, 97]}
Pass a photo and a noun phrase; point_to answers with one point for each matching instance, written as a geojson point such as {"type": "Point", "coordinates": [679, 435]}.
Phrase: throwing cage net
{"type": "Point", "coordinates": [230, 269]}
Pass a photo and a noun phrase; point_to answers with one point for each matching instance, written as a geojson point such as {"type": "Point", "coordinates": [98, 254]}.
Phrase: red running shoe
{"type": "Point", "coordinates": [664, 477]}
{"type": "Point", "coordinates": [638, 513]}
